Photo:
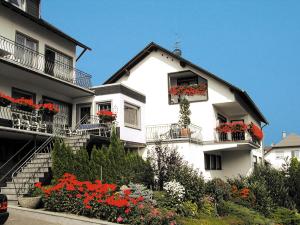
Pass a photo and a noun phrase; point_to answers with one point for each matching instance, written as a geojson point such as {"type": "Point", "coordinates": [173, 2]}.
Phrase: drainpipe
{"type": "Point", "coordinates": [262, 143]}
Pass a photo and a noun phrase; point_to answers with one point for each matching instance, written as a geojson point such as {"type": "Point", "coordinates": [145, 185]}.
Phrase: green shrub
{"type": "Point", "coordinates": [140, 190]}
{"type": "Point", "coordinates": [191, 180]}
{"type": "Point", "coordinates": [188, 209]}
{"type": "Point", "coordinates": [285, 216]}
{"type": "Point", "coordinates": [208, 206]}
{"type": "Point", "coordinates": [248, 216]}
{"type": "Point", "coordinates": [293, 181]}
{"type": "Point", "coordinates": [218, 189]}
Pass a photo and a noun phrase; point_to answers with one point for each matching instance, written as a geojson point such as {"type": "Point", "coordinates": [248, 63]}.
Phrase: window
{"type": "Point", "coordinates": [212, 162]}
{"type": "Point", "coordinates": [279, 155]}
{"type": "Point", "coordinates": [18, 3]}
{"type": "Point", "coordinates": [18, 93]}
{"type": "Point", "coordinates": [195, 87]}
{"type": "Point", "coordinates": [296, 153]}
{"type": "Point", "coordinates": [131, 116]}
{"type": "Point", "coordinates": [104, 106]}
{"type": "Point", "coordinates": [58, 64]}
{"type": "Point", "coordinates": [254, 160]}
{"type": "Point", "coordinates": [29, 6]}
{"type": "Point", "coordinates": [26, 50]}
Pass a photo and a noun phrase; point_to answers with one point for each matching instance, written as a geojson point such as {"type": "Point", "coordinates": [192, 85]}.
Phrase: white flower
{"type": "Point", "coordinates": [175, 190]}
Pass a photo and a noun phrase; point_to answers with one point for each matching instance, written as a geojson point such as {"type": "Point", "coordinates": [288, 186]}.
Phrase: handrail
{"type": "Point", "coordinates": [44, 147]}
{"type": "Point", "coordinates": [11, 158]}
{"type": "Point", "coordinates": [34, 60]}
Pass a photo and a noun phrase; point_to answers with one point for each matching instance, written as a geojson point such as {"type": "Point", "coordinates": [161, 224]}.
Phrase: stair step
{"type": "Point", "coordinates": [38, 165]}
{"type": "Point", "coordinates": [35, 169]}
{"type": "Point", "coordinates": [43, 155]}
{"type": "Point", "coordinates": [18, 184]}
{"type": "Point", "coordinates": [25, 174]}
{"type": "Point", "coordinates": [12, 197]}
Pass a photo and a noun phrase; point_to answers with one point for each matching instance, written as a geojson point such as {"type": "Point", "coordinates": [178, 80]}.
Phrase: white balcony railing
{"type": "Point", "coordinates": [223, 137]}
{"type": "Point", "coordinates": [174, 131]}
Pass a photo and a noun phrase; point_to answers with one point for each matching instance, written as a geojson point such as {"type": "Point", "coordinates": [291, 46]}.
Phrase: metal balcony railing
{"type": "Point", "coordinates": [33, 60]}
{"type": "Point", "coordinates": [173, 132]}
{"type": "Point", "coordinates": [15, 118]}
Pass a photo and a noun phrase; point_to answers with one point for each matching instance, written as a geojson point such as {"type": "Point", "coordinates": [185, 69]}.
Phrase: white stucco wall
{"type": "Point", "coordinates": [11, 22]}
{"type": "Point", "coordinates": [117, 103]}
{"type": "Point", "coordinates": [277, 162]}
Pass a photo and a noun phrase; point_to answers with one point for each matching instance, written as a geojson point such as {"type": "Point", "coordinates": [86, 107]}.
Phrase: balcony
{"type": "Point", "coordinates": [14, 119]}
{"type": "Point", "coordinates": [173, 132]}
{"type": "Point", "coordinates": [34, 61]}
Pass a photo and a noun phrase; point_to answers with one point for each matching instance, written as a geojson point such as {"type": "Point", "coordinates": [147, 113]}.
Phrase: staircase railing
{"type": "Point", "coordinates": [8, 174]}
{"type": "Point", "coordinates": [44, 148]}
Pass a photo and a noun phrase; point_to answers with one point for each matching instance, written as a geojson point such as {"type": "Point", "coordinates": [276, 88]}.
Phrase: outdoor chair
{"type": "Point", "coordinates": [16, 121]}
{"type": "Point", "coordinates": [25, 122]}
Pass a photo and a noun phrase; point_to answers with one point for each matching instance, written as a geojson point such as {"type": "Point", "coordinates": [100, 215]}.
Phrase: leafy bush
{"type": "Point", "coordinates": [175, 191]}
{"type": "Point", "coordinates": [191, 180]}
{"type": "Point", "coordinates": [285, 216]}
{"type": "Point", "coordinates": [102, 201]}
{"type": "Point", "coordinates": [140, 190]}
{"type": "Point", "coordinates": [248, 216]}
{"type": "Point", "coordinates": [188, 209]}
{"type": "Point", "coordinates": [293, 181]}
{"type": "Point", "coordinates": [208, 206]}
{"type": "Point", "coordinates": [218, 189]}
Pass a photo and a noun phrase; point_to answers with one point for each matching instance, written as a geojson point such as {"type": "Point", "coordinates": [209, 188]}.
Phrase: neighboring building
{"type": "Point", "coordinates": [153, 72]}
{"type": "Point", "coordinates": [37, 62]}
{"type": "Point", "coordinates": [280, 153]}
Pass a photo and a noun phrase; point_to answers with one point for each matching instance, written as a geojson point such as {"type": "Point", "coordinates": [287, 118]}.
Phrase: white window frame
{"type": "Point", "coordinates": [138, 122]}
{"type": "Point", "coordinates": [22, 6]}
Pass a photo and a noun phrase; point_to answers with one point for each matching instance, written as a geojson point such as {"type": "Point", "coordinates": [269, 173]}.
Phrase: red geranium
{"type": "Point", "coordinates": [106, 116]}
{"type": "Point", "coordinates": [25, 102]}
{"type": "Point", "coordinates": [255, 131]}
{"type": "Point", "coordinates": [199, 89]}
{"type": "Point", "coordinates": [5, 100]}
{"type": "Point", "coordinates": [50, 107]}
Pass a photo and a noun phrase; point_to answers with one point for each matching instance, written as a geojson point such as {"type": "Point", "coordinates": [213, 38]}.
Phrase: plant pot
{"type": "Point", "coordinates": [30, 202]}
{"type": "Point", "coordinates": [4, 102]}
{"type": "Point", "coordinates": [185, 132]}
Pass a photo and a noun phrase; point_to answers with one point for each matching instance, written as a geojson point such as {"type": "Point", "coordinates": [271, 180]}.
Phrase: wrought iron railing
{"type": "Point", "coordinates": [173, 132]}
{"type": "Point", "coordinates": [91, 124]}
{"type": "Point", "coordinates": [28, 182]}
{"type": "Point", "coordinates": [34, 60]}
{"type": "Point", "coordinates": [10, 165]}
{"type": "Point", "coordinates": [10, 116]}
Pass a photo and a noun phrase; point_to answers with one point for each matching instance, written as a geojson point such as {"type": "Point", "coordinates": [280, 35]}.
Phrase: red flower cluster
{"type": "Point", "coordinates": [232, 127]}
{"type": "Point", "coordinates": [256, 131]}
{"type": "Point", "coordinates": [25, 102]}
{"type": "Point", "coordinates": [106, 115]}
{"type": "Point", "coordinates": [48, 106]}
{"type": "Point", "coordinates": [244, 193]}
{"type": "Point", "coordinates": [2, 95]}
{"type": "Point", "coordinates": [200, 89]}
{"type": "Point", "coordinates": [89, 192]}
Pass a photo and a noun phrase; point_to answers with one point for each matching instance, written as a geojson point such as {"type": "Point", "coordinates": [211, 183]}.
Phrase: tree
{"type": "Point", "coordinates": [82, 165]}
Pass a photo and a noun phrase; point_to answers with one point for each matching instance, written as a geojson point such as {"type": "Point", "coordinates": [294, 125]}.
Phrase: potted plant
{"type": "Point", "coordinates": [184, 118]}
{"type": "Point", "coordinates": [5, 100]}
{"type": "Point", "coordinates": [106, 116]}
{"type": "Point", "coordinates": [48, 108]}
{"type": "Point", "coordinates": [255, 132]}
{"type": "Point", "coordinates": [32, 199]}
{"type": "Point", "coordinates": [25, 104]}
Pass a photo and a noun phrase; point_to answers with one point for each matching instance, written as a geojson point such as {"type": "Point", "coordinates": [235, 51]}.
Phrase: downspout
{"type": "Point", "coordinates": [263, 151]}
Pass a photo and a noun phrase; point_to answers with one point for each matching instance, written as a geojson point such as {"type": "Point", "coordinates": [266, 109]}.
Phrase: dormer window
{"type": "Point", "coordinates": [32, 7]}
{"type": "Point", "coordinates": [187, 84]}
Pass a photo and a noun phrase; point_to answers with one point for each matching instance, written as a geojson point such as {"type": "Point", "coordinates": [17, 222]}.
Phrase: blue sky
{"type": "Point", "coordinates": [254, 44]}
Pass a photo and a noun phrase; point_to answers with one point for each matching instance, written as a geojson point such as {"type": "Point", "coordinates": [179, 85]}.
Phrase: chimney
{"type": "Point", "coordinates": [283, 134]}
{"type": "Point", "coordinates": [177, 50]}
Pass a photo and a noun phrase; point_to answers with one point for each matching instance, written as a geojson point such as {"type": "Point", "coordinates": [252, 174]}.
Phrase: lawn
{"type": "Point", "coordinates": [211, 221]}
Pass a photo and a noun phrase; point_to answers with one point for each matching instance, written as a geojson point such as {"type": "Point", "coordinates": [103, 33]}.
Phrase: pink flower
{"type": "Point", "coordinates": [120, 219]}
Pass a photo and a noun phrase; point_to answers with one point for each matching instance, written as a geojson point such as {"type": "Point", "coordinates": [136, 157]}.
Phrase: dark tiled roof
{"type": "Point", "coordinates": [243, 95]}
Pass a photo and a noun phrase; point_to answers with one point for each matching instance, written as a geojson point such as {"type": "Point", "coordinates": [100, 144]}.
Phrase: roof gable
{"type": "Point", "coordinates": [241, 95]}
{"type": "Point", "coordinates": [292, 140]}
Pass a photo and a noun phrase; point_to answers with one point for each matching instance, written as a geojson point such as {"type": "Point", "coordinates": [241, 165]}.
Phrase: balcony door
{"type": "Point", "coordinates": [222, 135]}
{"type": "Point", "coordinates": [26, 50]}
{"type": "Point", "coordinates": [49, 61]}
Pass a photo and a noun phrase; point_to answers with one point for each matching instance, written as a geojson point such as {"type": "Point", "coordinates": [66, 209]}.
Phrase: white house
{"type": "Point", "coordinates": [38, 69]}
{"type": "Point", "coordinates": [155, 70]}
{"type": "Point", "coordinates": [278, 154]}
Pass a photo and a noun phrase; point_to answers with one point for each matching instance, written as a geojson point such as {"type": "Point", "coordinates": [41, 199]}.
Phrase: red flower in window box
{"type": "Point", "coordinates": [255, 131]}
{"type": "Point", "coordinates": [48, 108]}
{"type": "Point", "coordinates": [106, 116]}
{"type": "Point", "coordinates": [5, 100]}
{"type": "Point", "coordinates": [199, 89]}
{"type": "Point", "coordinates": [25, 104]}
{"type": "Point", "coordinates": [238, 127]}
{"type": "Point", "coordinates": [224, 128]}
